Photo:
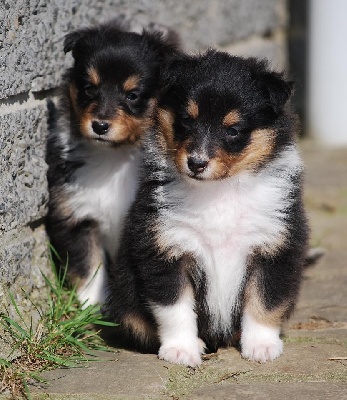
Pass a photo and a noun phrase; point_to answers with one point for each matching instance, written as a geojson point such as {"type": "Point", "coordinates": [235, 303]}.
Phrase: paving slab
{"type": "Point", "coordinates": [314, 363]}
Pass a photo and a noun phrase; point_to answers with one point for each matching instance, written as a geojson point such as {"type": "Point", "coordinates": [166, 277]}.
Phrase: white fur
{"type": "Point", "coordinates": [178, 332]}
{"type": "Point", "coordinates": [94, 290]}
{"type": "Point", "coordinates": [259, 342]}
{"type": "Point", "coordinates": [103, 190]}
{"type": "Point", "coordinates": [221, 222]}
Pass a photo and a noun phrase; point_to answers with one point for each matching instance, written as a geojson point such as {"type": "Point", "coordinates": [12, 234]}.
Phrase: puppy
{"type": "Point", "coordinates": [108, 99]}
{"type": "Point", "coordinates": [215, 242]}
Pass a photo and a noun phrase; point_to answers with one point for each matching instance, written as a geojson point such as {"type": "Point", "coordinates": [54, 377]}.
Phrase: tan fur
{"type": "Point", "coordinates": [254, 306]}
{"type": "Point", "coordinates": [232, 118]}
{"type": "Point", "coordinates": [193, 109]}
{"type": "Point", "coordinates": [93, 76]}
{"type": "Point", "coordinates": [259, 149]}
{"type": "Point", "coordinates": [165, 121]}
{"type": "Point", "coordinates": [94, 262]}
{"type": "Point", "coordinates": [131, 83]}
{"type": "Point", "coordinates": [139, 327]}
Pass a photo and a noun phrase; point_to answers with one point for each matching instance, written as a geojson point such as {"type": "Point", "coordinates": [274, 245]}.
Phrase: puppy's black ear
{"type": "Point", "coordinates": [276, 89]}
{"type": "Point", "coordinates": [71, 39]}
{"type": "Point", "coordinates": [165, 46]}
{"type": "Point", "coordinates": [178, 70]}
{"type": "Point", "coordinates": [168, 36]}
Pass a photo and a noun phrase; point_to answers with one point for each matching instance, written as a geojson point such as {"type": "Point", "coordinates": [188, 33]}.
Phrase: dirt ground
{"type": "Point", "coordinates": [314, 363]}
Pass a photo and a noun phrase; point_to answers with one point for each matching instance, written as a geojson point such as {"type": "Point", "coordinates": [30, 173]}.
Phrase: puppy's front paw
{"type": "Point", "coordinates": [261, 349]}
{"type": "Point", "coordinates": [182, 354]}
{"type": "Point", "coordinates": [259, 342]}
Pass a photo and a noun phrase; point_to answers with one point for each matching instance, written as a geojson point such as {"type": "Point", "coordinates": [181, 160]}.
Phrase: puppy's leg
{"type": "Point", "coordinates": [178, 332]}
{"type": "Point", "coordinates": [260, 339]}
{"type": "Point", "coordinates": [92, 288]}
{"type": "Point", "coordinates": [269, 296]}
{"type": "Point", "coordinates": [80, 251]}
{"type": "Point", "coordinates": [86, 263]}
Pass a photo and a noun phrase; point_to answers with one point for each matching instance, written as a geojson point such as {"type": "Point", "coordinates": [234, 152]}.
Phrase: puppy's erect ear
{"type": "Point", "coordinates": [179, 70]}
{"type": "Point", "coordinates": [71, 39]}
{"type": "Point", "coordinates": [79, 41]}
{"type": "Point", "coordinates": [276, 89]}
{"type": "Point", "coordinates": [165, 46]}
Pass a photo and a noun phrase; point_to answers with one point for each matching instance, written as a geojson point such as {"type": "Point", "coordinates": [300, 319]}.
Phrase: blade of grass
{"type": "Point", "coordinates": [13, 302]}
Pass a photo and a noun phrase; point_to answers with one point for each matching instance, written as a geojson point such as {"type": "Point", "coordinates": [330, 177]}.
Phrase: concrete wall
{"type": "Point", "coordinates": [31, 65]}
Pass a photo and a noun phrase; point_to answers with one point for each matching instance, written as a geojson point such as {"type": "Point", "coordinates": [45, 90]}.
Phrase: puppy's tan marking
{"type": "Point", "coordinates": [232, 118]}
{"type": "Point", "coordinates": [140, 328]}
{"type": "Point", "coordinates": [131, 83]}
{"type": "Point", "coordinates": [127, 128]}
{"type": "Point", "coordinates": [258, 150]}
{"type": "Point", "coordinates": [165, 121]}
{"type": "Point", "coordinates": [86, 117]}
{"type": "Point", "coordinates": [193, 109]}
{"type": "Point", "coordinates": [93, 76]}
{"type": "Point", "coordinates": [255, 307]}
{"type": "Point", "coordinates": [181, 156]}
{"type": "Point", "coordinates": [60, 199]}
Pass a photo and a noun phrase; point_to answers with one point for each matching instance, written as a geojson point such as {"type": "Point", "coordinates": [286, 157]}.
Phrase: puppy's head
{"type": "Point", "coordinates": [113, 84]}
{"type": "Point", "coordinates": [221, 115]}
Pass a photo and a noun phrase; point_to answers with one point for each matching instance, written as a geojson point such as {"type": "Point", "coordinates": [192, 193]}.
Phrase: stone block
{"type": "Point", "coordinates": [23, 187]}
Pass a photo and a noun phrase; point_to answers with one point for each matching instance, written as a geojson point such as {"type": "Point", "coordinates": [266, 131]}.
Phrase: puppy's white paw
{"type": "Point", "coordinates": [259, 342]}
{"type": "Point", "coordinates": [261, 349]}
{"type": "Point", "coordinates": [183, 354]}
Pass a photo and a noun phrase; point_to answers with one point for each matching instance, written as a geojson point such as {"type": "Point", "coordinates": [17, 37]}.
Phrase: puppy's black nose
{"type": "Point", "coordinates": [100, 127]}
{"type": "Point", "coordinates": [197, 165]}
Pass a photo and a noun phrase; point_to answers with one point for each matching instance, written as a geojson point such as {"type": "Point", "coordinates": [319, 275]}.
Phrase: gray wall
{"type": "Point", "coordinates": [31, 65]}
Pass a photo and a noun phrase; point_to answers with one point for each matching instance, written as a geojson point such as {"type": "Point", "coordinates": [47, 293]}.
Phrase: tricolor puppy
{"type": "Point", "coordinates": [108, 103]}
{"type": "Point", "coordinates": [216, 239]}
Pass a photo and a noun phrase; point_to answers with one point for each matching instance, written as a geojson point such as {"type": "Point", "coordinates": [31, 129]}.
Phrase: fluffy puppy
{"type": "Point", "coordinates": [215, 241]}
{"type": "Point", "coordinates": [108, 99]}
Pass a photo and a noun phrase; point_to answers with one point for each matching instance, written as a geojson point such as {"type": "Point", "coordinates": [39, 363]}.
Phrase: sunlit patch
{"type": "Point", "coordinates": [193, 109]}
{"type": "Point", "coordinates": [231, 118]}
{"type": "Point", "coordinates": [93, 76]}
{"type": "Point", "coordinates": [131, 83]}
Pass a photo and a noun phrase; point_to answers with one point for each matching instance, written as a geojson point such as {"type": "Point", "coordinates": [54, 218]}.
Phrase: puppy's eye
{"type": "Point", "coordinates": [132, 96]}
{"type": "Point", "coordinates": [89, 90]}
{"type": "Point", "coordinates": [233, 131]}
{"type": "Point", "coordinates": [186, 121]}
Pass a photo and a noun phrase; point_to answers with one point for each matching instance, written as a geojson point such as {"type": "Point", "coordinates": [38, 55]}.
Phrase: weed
{"type": "Point", "coordinates": [63, 336]}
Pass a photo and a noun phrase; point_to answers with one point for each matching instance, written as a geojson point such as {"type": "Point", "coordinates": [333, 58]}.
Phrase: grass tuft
{"type": "Point", "coordinates": [63, 336]}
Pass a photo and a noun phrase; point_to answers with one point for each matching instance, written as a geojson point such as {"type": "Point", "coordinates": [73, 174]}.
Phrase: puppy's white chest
{"type": "Point", "coordinates": [221, 223]}
{"type": "Point", "coordinates": [104, 188]}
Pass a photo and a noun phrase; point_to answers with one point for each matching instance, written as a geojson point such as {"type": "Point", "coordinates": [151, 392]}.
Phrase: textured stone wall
{"type": "Point", "coordinates": [31, 65]}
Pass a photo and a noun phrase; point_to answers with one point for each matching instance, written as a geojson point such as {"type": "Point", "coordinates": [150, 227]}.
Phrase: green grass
{"type": "Point", "coordinates": [63, 336]}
